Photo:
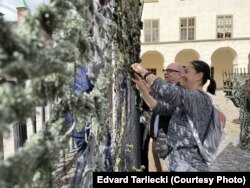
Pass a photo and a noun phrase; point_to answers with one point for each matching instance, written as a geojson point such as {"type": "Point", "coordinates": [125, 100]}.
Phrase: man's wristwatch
{"type": "Point", "coordinates": [146, 74]}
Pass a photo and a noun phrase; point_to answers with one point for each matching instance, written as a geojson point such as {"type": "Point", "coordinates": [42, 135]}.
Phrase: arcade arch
{"type": "Point", "coordinates": [248, 63]}
{"type": "Point", "coordinates": [153, 61]}
{"type": "Point", "coordinates": [185, 56]}
{"type": "Point", "coordinates": [222, 60]}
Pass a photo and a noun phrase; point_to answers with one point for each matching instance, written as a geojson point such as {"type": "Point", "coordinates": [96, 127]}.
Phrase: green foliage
{"type": "Point", "coordinates": [42, 56]}
{"type": "Point", "coordinates": [240, 95]}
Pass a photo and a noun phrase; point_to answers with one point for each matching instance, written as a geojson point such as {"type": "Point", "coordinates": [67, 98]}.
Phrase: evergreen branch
{"type": "Point", "coordinates": [38, 153]}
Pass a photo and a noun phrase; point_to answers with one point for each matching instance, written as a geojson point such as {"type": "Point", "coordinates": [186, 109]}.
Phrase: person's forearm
{"type": "Point", "coordinates": [150, 101]}
{"type": "Point", "coordinates": [143, 84]}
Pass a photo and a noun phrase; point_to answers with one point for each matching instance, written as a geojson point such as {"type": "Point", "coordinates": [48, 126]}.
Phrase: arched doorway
{"type": "Point", "coordinates": [153, 61]}
{"type": "Point", "coordinates": [185, 56]}
{"type": "Point", "coordinates": [222, 60]}
{"type": "Point", "coordinates": [249, 63]}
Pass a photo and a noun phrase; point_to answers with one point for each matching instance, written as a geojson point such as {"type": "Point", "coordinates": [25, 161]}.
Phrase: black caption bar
{"type": "Point", "coordinates": [100, 179]}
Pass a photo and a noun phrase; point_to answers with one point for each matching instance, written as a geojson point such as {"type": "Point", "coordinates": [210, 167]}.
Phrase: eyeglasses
{"type": "Point", "coordinates": [170, 70]}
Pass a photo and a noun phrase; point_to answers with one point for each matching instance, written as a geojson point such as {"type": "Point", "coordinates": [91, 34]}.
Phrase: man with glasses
{"type": "Point", "coordinates": [159, 124]}
{"type": "Point", "coordinates": [173, 73]}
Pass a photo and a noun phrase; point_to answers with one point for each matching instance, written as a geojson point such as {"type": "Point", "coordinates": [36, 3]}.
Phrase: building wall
{"type": "Point", "coordinates": [169, 12]}
{"type": "Point", "coordinates": [222, 54]}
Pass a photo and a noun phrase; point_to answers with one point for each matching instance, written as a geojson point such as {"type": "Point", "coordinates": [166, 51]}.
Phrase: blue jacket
{"type": "Point", "coordinates": [80, 84]}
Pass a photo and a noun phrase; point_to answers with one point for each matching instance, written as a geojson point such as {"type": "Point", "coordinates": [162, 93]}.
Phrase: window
{"type": "Point", "coordinates": [187, 28]}
{"type": "Point", "coordinates": [224, 26]}
{"type": "Point", "coordinates": [151, 30]}
{"type": "Point", "coordinates": [152, 70]}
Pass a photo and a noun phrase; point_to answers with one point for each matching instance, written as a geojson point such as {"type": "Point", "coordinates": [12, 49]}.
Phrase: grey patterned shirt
{"type": "Point", "coordinates": [197, 104]}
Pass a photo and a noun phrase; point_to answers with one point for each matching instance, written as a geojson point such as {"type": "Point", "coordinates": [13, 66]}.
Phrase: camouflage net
{"type": "Point", "coordinates": [105, 35]}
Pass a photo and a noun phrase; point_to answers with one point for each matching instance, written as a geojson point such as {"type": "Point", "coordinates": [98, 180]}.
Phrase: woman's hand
{"type": "Point", "coordinates": [139, 69]}
{"type": "Point", "coordinates": [144, 89]}
{"type": "Point", "coordinates": [141, 85]}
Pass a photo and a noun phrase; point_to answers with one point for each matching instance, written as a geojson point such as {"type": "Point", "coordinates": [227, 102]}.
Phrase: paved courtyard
{"type": "Point", "coordinates": [230, 156]}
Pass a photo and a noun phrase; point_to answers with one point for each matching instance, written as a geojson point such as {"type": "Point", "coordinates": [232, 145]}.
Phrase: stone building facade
{"type": "Point", "coordinates": [183, 30]}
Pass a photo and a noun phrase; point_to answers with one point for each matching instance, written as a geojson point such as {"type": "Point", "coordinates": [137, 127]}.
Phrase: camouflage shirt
{"type": "Point", "coordinates": [198, 106]}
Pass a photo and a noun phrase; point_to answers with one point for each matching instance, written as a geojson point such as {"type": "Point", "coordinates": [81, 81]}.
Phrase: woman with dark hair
{"type": "Point", "coordinates": [179, 148]}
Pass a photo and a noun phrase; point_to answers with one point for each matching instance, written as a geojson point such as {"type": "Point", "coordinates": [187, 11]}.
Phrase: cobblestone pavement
{"type": "Point", "coordinates": [230, 157]}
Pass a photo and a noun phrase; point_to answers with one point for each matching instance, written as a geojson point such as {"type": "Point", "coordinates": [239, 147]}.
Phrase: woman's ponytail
{"type": "Point", "coordinates": [211, 87]}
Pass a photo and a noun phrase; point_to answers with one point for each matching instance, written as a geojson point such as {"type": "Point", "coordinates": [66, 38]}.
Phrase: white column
{"type": "Point", "coordinates": [206, 55]}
